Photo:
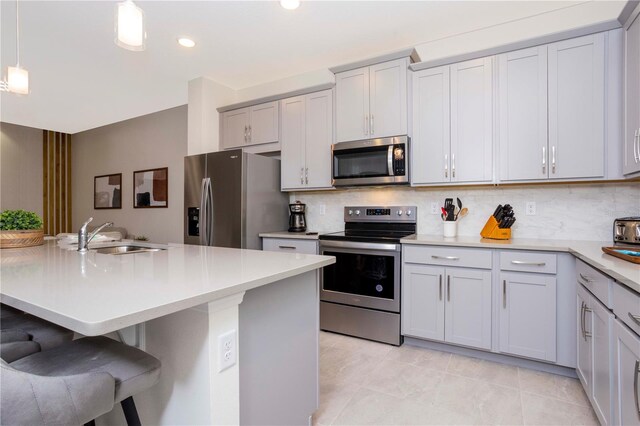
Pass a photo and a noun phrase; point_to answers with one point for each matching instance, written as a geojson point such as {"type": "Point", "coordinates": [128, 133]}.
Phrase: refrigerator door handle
{"type": "Point", "coordinates": [202, 222]}
{"type": "Point", "coordinates": [210, 208]}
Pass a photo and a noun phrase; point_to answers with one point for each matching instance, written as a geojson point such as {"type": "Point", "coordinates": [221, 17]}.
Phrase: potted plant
{"type": "Point", "coordinates": [19, 228]}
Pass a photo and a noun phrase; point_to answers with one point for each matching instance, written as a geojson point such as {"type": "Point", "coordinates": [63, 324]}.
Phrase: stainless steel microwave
{"type": "Point", "coordinates": [382, 161]}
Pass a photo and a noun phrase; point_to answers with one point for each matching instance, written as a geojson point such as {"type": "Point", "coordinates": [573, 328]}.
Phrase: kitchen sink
{"type": "Point", "coordinates": [128, 249]}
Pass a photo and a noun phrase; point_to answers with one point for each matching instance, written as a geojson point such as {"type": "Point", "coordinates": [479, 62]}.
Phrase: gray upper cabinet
{"type": "Point", "coordinates": [257, 124]}
{"type": "Point", "coordinates": [576, 107]}
{"type": "Point", "coordinates": [431, 141]}
{"type": "Point", "coordinates": [631, 154]}
{"type": "Point", "coordinates": [523, 114]}
{"type": "Point", "coordinates": [371, 102]}
{"type": "Point", "coordinates": [453, 124]}
{"type": "Point", "coordinates": [307, 134]}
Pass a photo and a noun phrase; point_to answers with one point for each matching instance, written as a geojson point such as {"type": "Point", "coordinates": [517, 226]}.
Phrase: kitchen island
{"type": "Point", "coordinates": [188, 296]}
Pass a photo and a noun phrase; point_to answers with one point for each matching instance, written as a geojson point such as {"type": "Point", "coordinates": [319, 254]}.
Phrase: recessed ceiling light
{"type": "Point", "coordinates": [290, 4]}
{"type": "Point", "coordinates": [186, 42]}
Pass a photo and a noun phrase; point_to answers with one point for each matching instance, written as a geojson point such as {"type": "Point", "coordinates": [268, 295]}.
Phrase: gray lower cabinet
{"type": "Point", "coordinates": [528, 315]}
{"type": "Point", "coordinates": [626, 369]}
{"type": "Point", "coordinates": [447, 304]}
{"type": "Point", "coordinates": [595, 361]}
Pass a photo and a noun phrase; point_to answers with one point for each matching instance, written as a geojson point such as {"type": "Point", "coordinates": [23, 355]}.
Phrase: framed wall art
{"type": "Point", "coordinates": [107, 191]}
{"type": "Point", "coordinates": [151, 188]}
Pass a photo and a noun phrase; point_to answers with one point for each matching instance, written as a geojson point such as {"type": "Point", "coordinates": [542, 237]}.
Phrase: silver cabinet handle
{"type": "Point", "coordinates": [582, 319]}
{"type": "Point", "coordinates": [372, 132]}
{"type": "Point", "coordinates": [587, 280]}
{"type": "Point", "coordinates": [245, 134]}
{"type": "Point", "coordinates": [553, 159]}
{"type": "Point", "coordinates": [523, 262]}
{"type": "Point", "coordinates": [586, 333]}
{"type": "Point", "coordinates": [366, 125]}
{"type": "Point", "coordinates": [446, 166]}
{"type": "Point", "coordinates": [440, 288]}
{"type": "Point", "coordinates": [544, 159]}
{"type": "Point", "coordinates": [301, 175]}
{"type": "Point", "coordinates": [636, 369]}
{"type": "Point", "coordinates": [636, 146]}
{"type": "Point", "coordinates": [504, 294]}
{"type": "Point", "coordinates": [448, 288]}
{"type": "Point", "coordinates": [445, 257]}
{"type": "Point", "coordinates": [250, 133]}
{"type": "Point", "coordinates": [453, 165]}
{"type": "Point", "coordinates": [306, 175]}
{"type": "Point", "coordinates": [287, 247]}
{"type": "Point", "coordinates": [635, 318]}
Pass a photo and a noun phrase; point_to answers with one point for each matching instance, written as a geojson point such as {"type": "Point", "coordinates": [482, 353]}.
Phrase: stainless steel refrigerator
{"type": "Point", "coordinates": [230, 197]}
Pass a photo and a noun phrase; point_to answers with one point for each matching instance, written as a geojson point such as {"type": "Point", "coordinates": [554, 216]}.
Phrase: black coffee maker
{"type": "Point", "coordinates": [297, 220]}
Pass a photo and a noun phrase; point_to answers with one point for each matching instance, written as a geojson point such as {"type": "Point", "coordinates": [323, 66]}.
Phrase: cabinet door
{"type": "Point", "coordinates": [319, 137]}
{"type": "Point", "coordinates": [584, 368]}
{"type": "Point", "coordinates": [431, 126]}
{"type": "Point", "coordinates": [468, 307]}
{"type": "Point", "coordinates": [528, 315]}
{"type": "Point", "coordinates": [471, 121]}
{"type": "Point", "coordinates": [352, 105]}
{"type": "Point", "coordinates": [631, 162]}
{"type": "Point", "coordinates": [292, 145]}
{"type": "Point", "coordinates": [576, 107]}
{"type": "Point", "coordinates": [235, 127]}
{"type": "Point", "coordinates": [263, 126]}
{"type": "Point", "coordinates": [388, 99]}
{"type": "Point", "coordinates": [626, 364]}
{"type": "Point", "coordinates": [523, 114]}
{"type": "Point", "coordinates": [602, 362]}
{"type": "Point", "coordinates": [423, 301]}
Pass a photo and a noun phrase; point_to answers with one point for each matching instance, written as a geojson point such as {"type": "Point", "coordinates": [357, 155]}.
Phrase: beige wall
{"type": "Point", "coordinates": [151, 141]}
{"type": "Point", "coordinates": [20, 168]}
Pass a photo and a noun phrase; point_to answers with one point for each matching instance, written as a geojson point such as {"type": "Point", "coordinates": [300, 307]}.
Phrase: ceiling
{"type": "Point", "coordinates": [81, 80]}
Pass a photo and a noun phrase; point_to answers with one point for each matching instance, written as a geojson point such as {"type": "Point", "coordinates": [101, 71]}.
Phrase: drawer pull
{"type": "Point", "coordinates": [636, 369]}
{"type": "Point", "coordinates": [287, 247]}
{"type": "Point", "coordinates": [635, 318]}
{"type": "Point", "coordinates": [585, 278]}
{"type": "Point", "coordinates": [445, 257]}
{"type": "Point", "coordinates": [523, 262]}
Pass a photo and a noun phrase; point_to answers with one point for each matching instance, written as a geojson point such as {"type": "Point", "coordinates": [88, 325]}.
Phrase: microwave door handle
{"type": "Point", "coordinates": [390, 160]}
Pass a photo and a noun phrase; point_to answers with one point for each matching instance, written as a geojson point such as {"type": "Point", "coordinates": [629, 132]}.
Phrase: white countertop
{"type": "Point", "coordinates": [286, 234]}
{"type": "Point", "coordinates": [94, 293]}
{"type": "Point", "coordinates": [590, 252]}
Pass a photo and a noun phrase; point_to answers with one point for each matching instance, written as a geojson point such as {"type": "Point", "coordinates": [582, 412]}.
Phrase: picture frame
{"type": "Point", "coordinates": [107, 191]}
{"type": "Point", "coordinates": [151, 188]}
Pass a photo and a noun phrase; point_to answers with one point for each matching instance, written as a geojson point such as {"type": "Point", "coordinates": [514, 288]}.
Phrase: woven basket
{"type": "Point", "coordinates": [18, 239]}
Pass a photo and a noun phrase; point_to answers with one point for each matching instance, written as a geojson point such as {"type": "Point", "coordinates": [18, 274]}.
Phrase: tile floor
{"type": "Point", "coordinates": [367, 383]}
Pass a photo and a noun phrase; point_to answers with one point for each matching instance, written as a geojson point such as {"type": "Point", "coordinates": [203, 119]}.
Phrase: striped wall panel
{"type": "Point", "coordinates": [56, 182]}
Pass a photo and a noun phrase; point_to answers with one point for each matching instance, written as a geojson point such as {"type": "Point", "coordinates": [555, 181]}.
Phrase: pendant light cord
{"type": "Point", "coordinates": [17, 36]}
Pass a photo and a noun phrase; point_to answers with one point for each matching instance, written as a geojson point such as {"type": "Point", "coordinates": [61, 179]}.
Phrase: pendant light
{"type": "Point", "coordinates": [130, 29]}
{"type": "Point", "coordinates": [17, 77]}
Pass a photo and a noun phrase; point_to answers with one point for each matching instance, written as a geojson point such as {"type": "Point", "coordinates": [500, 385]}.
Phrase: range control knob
{"type": "Point", "coordinates": [399, 212]}
{"type": "Point", "coordinates": [350, 212]}
{"type": "Point", "coordinates": [408, 212]}
{"type": "Point", "coordinates": [357, 212]}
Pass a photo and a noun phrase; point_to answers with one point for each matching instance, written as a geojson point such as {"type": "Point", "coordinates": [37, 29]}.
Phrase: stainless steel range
{"type": "Point", "coordinates": [360, 294]}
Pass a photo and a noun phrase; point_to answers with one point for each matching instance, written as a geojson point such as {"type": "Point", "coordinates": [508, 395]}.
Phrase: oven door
{"type": "Point", "coordinates": [370, 162]}
{"type": "Point", "coordinates": [366, 275]}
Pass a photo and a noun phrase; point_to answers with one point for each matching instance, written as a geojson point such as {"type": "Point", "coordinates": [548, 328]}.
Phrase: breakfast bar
{"type": "Point", "coordinates": [185, 300]}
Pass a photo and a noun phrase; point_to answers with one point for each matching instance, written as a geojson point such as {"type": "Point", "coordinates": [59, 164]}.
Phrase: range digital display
{"type": "Point", "coordinates": [378, 212]}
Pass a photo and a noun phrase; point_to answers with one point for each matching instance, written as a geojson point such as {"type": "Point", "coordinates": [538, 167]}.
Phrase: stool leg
{"type": "Point", "coordinates": [91, 423]}
{"type": "Point", "coordinates": [130, 412]}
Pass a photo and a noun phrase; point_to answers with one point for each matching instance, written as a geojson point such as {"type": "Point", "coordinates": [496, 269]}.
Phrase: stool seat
{"type": "Point", "coordinates": [46, 334]}
{"type": "Point", "coordinates": [7, 311]}
{"type": "Point", "coordinates": [133, 370]}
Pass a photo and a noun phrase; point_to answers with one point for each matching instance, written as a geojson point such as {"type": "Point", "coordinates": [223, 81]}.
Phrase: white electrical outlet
{"type": "Point", "coordinates": [227, 355]}
{"type": "Point", "coordinates": [531, 208]}
{"type": "Point", "coordinates": [434, 208]}
{"type": "Point", "coordinates": [323, 209]}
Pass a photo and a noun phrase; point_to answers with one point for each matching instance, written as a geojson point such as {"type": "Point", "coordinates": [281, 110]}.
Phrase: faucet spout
{"type": "Point", "coordinates": [84, 237]}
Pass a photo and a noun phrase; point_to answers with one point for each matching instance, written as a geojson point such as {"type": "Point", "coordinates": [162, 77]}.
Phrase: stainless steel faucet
{"type": "Point", "coordinates": [84, 237]}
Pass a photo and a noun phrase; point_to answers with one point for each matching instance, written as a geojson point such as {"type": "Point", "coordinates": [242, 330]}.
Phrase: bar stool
{"type": "Point", "coordinates": [7, 311]}
{"type": "Point", "coordinates": [131, 369]}
{"type": "Point", "coordinates": [46, 334]}
{"type": "Point", "coordinates": [16, 344]}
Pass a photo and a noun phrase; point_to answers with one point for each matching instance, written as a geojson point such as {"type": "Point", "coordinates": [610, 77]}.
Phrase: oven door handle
{"type": "Point", "coordinates": [390, 160]}
{"type": "Point", "coordinates": [359, 245]}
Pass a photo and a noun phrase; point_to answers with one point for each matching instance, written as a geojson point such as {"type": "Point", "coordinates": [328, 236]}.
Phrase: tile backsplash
{"type": "Point", "coordinates": [563, 212]}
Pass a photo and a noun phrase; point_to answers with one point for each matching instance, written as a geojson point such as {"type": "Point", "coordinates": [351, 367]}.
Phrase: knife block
{"type": "Point", "coordinates": [493, 232]}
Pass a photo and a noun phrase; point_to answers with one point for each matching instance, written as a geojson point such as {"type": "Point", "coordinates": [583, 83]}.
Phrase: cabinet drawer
{"type": "Point", "coordinates": [626, 306]}
{"type": "Point", "coordinates": [596, 282]}
{"type": "Point", "coordinates": [290, 245]}
{"type": "Point", "coordinates": [523, 261]}
{"type": "Point", "coordinates": [436, 255]}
